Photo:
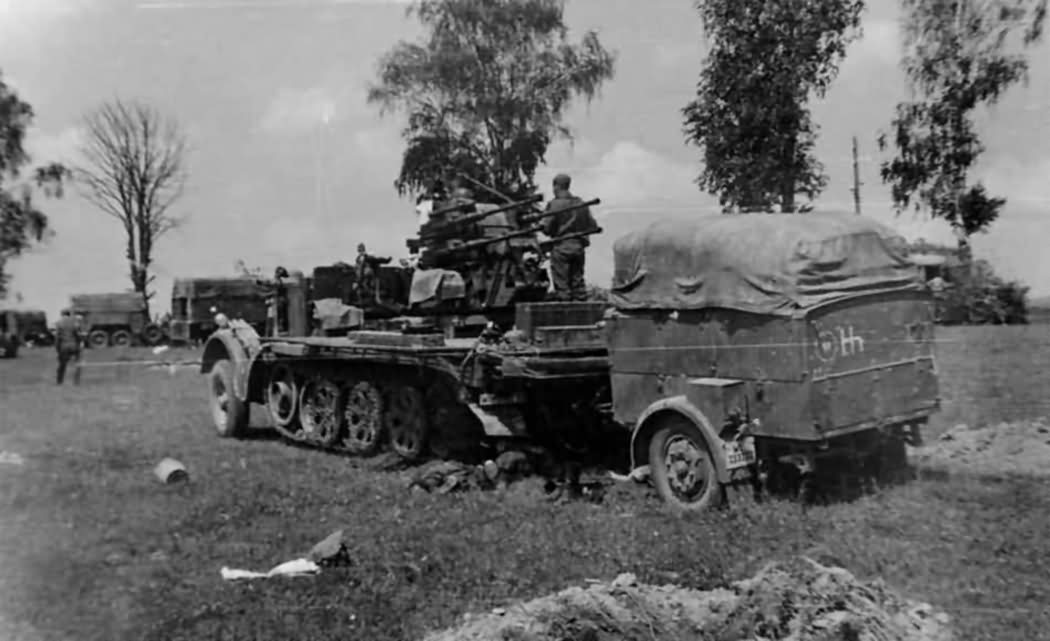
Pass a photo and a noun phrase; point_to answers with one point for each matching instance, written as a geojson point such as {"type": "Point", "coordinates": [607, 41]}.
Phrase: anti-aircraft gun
{"type": "Point", "coordinates": [473, 262]}
{"type": "Point", "coordinates": [483, 258]}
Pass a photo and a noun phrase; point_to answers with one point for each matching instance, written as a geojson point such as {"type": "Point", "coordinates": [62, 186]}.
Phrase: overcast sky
{"type": "Point", "coordinates": [252, 80]}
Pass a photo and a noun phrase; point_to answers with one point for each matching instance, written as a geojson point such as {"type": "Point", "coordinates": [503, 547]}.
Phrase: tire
{"type": "Point", "coordinates": [152, 334]}
{"type": "Point", "coordinates": [98, 338]}
{"type": "Point", "coordinates": [120, 338]}
{"type": "Point", "coordinates": [8, 347]}
{"type": "Point", "coordinates": [677, 433]}
{"type": "Point", "coordinates": [229, 414]}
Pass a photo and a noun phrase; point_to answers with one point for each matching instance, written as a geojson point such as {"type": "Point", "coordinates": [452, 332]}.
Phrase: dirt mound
{"type": "Point", "coordinates": [797, 600]}
{"type": "Point", "coordinates": [1003, 449]}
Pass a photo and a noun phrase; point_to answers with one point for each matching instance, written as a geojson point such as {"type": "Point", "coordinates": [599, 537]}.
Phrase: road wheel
{"type": "Point", "coordinates": [120, 338]}
{"type": "Point", "coordinates": [683, 469]}
{"type": "Point", "coordinates": [98, 338]}
{"type": "Point", "coordinates": [406, 422]}
{"type": "Point", "coordinates": [282, 400]}
{"type": "Point", "coordinates": [321, 411]}
{"type": "Point", "coordinates": [363, 412]}
{"type": "Point", "coordinates": [229, 413]}
{"type": "Point", "coordinates": [152, 334]}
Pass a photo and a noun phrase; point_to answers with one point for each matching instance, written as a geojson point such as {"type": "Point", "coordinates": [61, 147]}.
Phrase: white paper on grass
{"type": "Point", "coordinates": [296, 567]}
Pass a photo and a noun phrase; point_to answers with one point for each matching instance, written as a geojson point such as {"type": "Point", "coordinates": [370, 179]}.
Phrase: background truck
{"type": "Point", "coordinates": [118, 319]}
{"type": "Point", "coordinates": [20, 327]}
{"type": "Point", "coordinates": [193, 298]}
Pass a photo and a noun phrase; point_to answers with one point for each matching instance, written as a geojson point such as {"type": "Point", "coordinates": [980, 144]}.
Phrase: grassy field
{"type": "Point", "coordinates": [93, 547]}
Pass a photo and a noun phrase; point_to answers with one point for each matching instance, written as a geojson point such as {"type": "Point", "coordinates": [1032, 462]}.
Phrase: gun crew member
{"type": "Point", "coordinates": [567, 257]}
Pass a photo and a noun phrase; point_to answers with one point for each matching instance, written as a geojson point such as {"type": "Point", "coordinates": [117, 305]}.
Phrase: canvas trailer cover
{"type": "Point", "coordinates": [116, 302]}
{"type": "Point", "coordinates": [775, 264]}
{"type": "Point", "coordinates": [220, 287]}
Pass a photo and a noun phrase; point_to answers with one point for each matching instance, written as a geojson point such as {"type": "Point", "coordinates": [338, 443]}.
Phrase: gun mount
{"type": "Point", "coordinates": [471, 264]}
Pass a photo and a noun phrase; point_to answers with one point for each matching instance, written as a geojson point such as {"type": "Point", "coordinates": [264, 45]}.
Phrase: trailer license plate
{"type": "Point", "coordinates": [739, 454]}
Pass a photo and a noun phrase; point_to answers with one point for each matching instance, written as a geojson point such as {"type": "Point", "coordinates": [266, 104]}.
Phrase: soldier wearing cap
{"type": "Point", "coordinates": [567, 257]}
{"type": "Point", "coordinates": [68, 343]}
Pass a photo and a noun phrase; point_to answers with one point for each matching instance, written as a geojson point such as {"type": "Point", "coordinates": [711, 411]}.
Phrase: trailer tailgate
{"type": "Point", "coordinates": [871, 361]}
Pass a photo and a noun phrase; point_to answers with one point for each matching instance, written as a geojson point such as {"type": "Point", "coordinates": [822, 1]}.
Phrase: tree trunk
{"type": "Point", "coordinates": [787, 183]}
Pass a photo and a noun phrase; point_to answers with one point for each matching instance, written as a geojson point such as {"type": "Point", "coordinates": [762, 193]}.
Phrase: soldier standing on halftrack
{"type": "Point", "coordinates": [567, 256]}
{"type": "Point", "coordinates": [68, 342]}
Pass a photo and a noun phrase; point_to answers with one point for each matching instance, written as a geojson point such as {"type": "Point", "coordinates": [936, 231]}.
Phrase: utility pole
{"type": "Point", "coordinates": [856, 179]}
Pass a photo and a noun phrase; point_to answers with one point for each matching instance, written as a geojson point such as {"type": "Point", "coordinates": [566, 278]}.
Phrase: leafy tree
{"type": "Point", "coordinates": [486, 89]}
{"type": "Point", "coordinates": [21, 223]}
{"type": "Point", "coordinates": [750, 115]}
{"type": "Point", "coordinates": [979, 296]}
{"type": "Point", "coordinates": [134, 171]}
{"type": "Point", "coordinates": [959, 54]}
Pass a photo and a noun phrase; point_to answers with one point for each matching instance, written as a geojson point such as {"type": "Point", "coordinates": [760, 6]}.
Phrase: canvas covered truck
{"type": "Point", "coordinates": [751, 349]}
{"type": "Point", "coordinates": [118, 319]}
{"type": "Point", "coordinates": [193, 298]}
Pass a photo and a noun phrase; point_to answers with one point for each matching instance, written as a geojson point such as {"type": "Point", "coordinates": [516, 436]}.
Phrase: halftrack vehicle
{"type": "Point", "coordinates": [735, 349]}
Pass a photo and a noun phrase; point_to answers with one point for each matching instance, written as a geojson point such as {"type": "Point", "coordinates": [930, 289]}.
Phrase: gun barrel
{"type": "Point", "coordinates": [471, 218]}
{"type": "Point", "coordinates": [481, 242]}
{"type": "Point", "coordinates": [578, 234]}
{"type": "Point", "coordinates": [531, 218]}
{"type": "Point", "coordinates": [491, 190]}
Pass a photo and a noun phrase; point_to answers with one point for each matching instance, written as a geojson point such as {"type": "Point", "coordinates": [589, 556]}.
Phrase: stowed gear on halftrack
{"type": "Point", "coordinates": [693, 371]}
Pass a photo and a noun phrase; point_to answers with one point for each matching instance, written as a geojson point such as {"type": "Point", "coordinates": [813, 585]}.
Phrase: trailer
{"type": "Point", "coordinates": [748, 349]}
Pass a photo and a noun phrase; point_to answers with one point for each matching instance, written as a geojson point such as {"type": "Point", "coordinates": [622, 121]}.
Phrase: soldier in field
{"type": "Point", "coordinates": [68, 343]}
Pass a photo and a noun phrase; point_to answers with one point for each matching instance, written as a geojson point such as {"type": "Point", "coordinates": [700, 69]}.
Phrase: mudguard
{"type": "Point", "coordinates": [647, 424]}
{"type": "Point", "coordinates": [239, 344]}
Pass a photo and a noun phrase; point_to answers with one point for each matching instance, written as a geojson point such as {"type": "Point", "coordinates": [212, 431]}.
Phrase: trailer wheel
{"type": "Point", "coordinates": [98, 338]}
{"type": "Point", "coordinates": [363, 412]}
{"type": "Point", "coordinates": [321, 411]}
{"type": "Point", "coordinates": [406, 422]}
{"type": "Point", "coordinates": [120, 338]}
{"type": "Point", "coordinates": [282, 397]}
{"type": "Point", "coordinates": [682, 467]}
{"type": "Point", "coordinates": [229, 413]}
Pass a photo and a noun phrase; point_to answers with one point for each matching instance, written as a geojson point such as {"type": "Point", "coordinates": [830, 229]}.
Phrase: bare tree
{"type": "Point", "coordinates": [134, 170]}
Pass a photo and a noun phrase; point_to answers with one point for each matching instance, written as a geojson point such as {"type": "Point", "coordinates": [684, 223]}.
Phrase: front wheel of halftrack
{"type": "Point", "coordinates": [362, 413]}
{"type": "Point", "coordinates": [683, 469]}
{"type": "Point", "coordinates": [407, 422]}
{"type": "Point", "coordinates": [98, 339]}
{"type": "Point", "coordinates": [229, 413]}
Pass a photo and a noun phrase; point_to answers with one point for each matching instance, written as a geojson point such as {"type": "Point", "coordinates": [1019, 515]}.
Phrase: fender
{"type": "Point", "coordinates": [647, 424]}
{"type": "Point", "coordinates": [237, 344]}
